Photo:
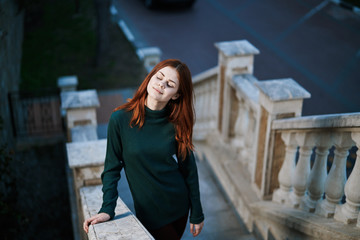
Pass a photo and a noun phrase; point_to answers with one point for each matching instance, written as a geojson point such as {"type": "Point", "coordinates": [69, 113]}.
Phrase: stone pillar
{"type": "Point", "coordinates": [316, 180]}
{"type": "Point", "coordinates": [282, 194]}
{"type": "Point", "coordinates": [150, 56]}
{"type": "Point", "coordinates": [349, 211]}
{"type": "Point", "coordinates": [278, 99]}
{"type": "Point", "coordinates": [80, 108]}
{"type": "Point", "coordinates": [335, 181]}
{"type": "Point", "coordinates": [235, 57]}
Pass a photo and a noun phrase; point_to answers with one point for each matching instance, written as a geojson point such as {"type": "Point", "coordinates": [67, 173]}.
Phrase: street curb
{"type": "Point", "coordinates": [347, 5]}
{"type": "Point", "coordinates": [149, 55]}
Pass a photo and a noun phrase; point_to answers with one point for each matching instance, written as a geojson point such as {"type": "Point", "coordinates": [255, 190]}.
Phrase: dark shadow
{"type": "Point", "coordinates": [122, 215]}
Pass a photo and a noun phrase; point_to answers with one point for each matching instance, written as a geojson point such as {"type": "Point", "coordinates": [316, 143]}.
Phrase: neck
{"type": "Point", "coordinates": [154, 105]}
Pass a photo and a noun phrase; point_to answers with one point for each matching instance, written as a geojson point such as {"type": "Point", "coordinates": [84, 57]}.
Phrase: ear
{"type": "Point", "coordinates": [176, 96]}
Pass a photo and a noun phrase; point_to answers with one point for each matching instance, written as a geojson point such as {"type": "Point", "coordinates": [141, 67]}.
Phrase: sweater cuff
{"type": "Point", "coordinates": [111, 213]}
{"type": "Point", "coordinates": [197, 220]}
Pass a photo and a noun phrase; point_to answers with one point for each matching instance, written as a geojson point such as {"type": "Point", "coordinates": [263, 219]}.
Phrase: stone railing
{"type": "Point", "coordinates": [250, 131]}
{"type": "Point", "coordinates": [86, 155]}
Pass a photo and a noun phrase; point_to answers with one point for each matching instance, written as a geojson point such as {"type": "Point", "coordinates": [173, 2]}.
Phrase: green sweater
{"type": "Point", "coordinates": [163, 189]}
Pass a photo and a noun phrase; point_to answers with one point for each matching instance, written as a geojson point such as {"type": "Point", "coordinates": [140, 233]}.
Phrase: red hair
{"type": "Point", "coordinates": [181, 110]}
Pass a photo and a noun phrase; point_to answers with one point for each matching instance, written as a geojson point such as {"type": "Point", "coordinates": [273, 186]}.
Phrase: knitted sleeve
{"type": "Point", "coordinates": [190, 174]}
{"type": "Point", "coordinates": [112, 167]}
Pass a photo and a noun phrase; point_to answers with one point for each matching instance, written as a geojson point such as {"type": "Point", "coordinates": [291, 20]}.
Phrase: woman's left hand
{"type": "Point", "coordinates": [195, 229]}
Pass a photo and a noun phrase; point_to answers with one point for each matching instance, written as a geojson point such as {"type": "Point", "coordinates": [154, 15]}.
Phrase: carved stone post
{"type": "Point", "coordinates": [278, 99]}
{"type": "Point", "coordinates": [150, 56]}
{"type": "Point", "coordinates": [281, 195]}
{"type": "Point", "coordinates": [335, 181]}
{"type": "Point", "coordinates": [317, 177]}
{"type": "Point", "coordinates": [349, 212]}
{"type": "Point", "coordinates": [235, 57]}
{"type": "Point", "coordinates": [80, 108]}
{"type": "Point", "coordinates": [306, 142]}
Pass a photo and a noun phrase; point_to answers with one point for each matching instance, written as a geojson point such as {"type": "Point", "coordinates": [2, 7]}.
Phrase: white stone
{"type": "Point", "coordinates": [320, 121]}
{"type": "Point", "coordinates": [79, 99]}
{"type": "Point", "coordinates": [124, 225]}
{"type": "Point", "coordinates": [349, 211]}
{"type": "Point", "coordinates": [282, 89]}
{"type": "Point", "coordinates": [83, 154]}
{"type": "Point", "coordinates": [238, 47]}
{"type": "Point", "coordinates": [67, 83]}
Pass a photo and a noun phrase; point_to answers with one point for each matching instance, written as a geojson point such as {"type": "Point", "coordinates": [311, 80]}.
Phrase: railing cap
{"type": "Point", "coordinates": [246, 84]}
{"type": "Point", "coordinates": [282, 89]}
{"type": "Point", "coordinates": [235, 48]}
{"type": "Point", "coordinates": [85, 154]}
{"type": "Point", "coordinates": [79, 99]}
{"type": "Point", "coordinates": [67, 81]}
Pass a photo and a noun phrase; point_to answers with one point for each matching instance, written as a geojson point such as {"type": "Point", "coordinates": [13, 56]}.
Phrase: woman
{"type": "Point", "coordinates": [151, 138]}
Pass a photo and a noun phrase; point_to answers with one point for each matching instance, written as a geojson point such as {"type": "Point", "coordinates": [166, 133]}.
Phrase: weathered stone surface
{"type": "Point", "coordinates": [235, 48]}
{"type": "Point", "coordinates": [319, 121]}
{"type": "Point", "coordinates": [296, 221]}
{"type": "Point", "coordinates": [124, 225]}
{"type": "Point", "coordinates": [246, 84]}
{"type": "Point", "coordinates": [90, 153]}
{"type": "Point", "coordinates": [282, 89]}
{"type": "Point", "coordinates": [79, 99]}
{"type": "Point", "coordinates": [84, 133]}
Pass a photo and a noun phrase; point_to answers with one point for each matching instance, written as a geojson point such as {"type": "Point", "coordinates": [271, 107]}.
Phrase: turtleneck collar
{"type": "Point", "coordinates": [155, 113]}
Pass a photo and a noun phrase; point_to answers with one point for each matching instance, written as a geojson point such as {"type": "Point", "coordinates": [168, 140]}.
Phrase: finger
{"type": "Point", "coordinates": [191, 228]}
{"type": "Point", "coordinates": [197, 230]}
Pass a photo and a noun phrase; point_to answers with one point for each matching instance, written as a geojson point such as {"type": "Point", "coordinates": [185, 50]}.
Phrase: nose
{"type": "Point", "coordinates": [161, 84]}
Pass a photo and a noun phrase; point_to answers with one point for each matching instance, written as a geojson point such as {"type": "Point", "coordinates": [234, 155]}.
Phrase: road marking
{"type": "Point", "coordinates": [126, 31]}
{"type": "Point", "coordinates": [307, 16]}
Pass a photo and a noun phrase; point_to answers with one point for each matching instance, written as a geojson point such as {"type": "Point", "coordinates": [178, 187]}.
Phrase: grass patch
{"type": "Point", "coordinates": [58, 42]}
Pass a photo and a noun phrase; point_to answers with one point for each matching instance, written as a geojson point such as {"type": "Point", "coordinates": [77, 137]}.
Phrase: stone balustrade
{"type": "Point", "coordinates": [260, 148]}
{"type": "Point", "coordinates": [302, 186]}
{"type": "Point", "coordinates": [86, 155]}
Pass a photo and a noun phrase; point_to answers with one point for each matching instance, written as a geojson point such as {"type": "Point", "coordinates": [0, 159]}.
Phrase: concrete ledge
{"type": "Point", "coordinates": [308, 225]}
{"type": "Point", "coordinates": [347, 120]}
{"type": "Point", "coordinates": [86, 154]}
{"type": "Point", "coordinates": [124, 226]}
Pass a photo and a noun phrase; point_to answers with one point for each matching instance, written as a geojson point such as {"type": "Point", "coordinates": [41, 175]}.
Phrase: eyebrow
{"type": "Point", "coordinates": [169, 79]}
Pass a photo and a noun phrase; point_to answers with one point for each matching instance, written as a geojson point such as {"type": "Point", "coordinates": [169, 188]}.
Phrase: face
{"type": "Point", "coordinates": [163, 86]}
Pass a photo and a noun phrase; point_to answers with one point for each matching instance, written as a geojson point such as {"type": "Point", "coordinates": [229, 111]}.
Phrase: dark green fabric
{"type": "Point", "coordinates": [162, 189]}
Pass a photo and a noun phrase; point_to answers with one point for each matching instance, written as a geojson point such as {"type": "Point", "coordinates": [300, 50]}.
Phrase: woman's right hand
{"type": "Point", "coordinates": [98, 218]}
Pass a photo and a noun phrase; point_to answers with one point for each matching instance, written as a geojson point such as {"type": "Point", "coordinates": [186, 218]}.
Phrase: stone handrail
{"type": "Point", "coordinates": [302, 186]}
{"type": "Point", "coordinates": [251, 131]}
{"type": "Point", "coordinates": [124, 225]}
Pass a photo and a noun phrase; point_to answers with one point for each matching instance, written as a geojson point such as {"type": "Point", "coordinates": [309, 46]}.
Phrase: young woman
{"type": "Point", "coordinates": [151, 138]}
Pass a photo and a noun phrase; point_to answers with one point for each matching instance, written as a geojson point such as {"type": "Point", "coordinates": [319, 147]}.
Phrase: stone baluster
{"type": "Point", "coordinates": [349, 211]}
{"type": "Point", "coordinates": [306, 142]}
{"type": "Point", "coordinates": [316, 180]}
{"type": "Point", "coordinates": [335, 181]}
{"type": "Point", "coordinates": [281, 195]}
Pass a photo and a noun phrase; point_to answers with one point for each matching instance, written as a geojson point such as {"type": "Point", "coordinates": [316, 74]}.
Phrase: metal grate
{"type": "Point", "coordinates": [36, 114]}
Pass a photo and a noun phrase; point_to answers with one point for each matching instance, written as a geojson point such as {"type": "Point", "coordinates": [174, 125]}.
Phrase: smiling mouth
{"type": "Point", "coordinates": [157, 90]}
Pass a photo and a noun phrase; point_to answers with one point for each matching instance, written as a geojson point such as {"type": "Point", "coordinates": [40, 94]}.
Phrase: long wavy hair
{"type": "Point", "coordinates": [181, 110]}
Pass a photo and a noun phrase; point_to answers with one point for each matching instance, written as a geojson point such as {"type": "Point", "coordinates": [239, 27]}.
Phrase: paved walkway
{"type": "Point", "coordinates": [220, 220]}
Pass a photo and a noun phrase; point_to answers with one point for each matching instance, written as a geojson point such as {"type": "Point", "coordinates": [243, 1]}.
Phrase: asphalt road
{"type": "Point", "coordinates": [317, 43]}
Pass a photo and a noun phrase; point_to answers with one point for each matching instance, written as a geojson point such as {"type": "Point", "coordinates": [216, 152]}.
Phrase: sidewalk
{"type": "Point", "coordinates": [220, 219]}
